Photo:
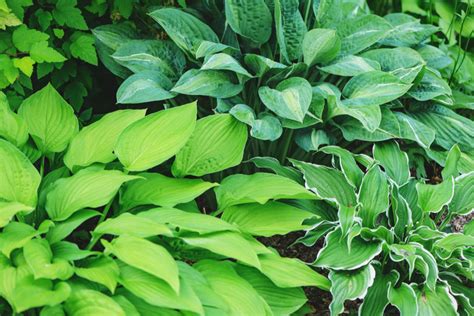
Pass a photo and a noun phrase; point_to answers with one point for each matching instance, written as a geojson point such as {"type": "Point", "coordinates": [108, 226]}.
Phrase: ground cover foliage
{"type": "Point", "coordinates": [345, 122]}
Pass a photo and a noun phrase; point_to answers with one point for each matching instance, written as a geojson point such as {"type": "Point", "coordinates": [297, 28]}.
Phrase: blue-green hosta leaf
{"type": "Point", "coordinates": [416, 130]}
{"type": "Point", "coordinates": [186, 31]}
{"type": "Point", "coordinates": [376, 298]}
{"type": "Point", "coordinates": [10, 209]}
{"type": "Point", "coordinates": [134, 225]}
{"type": "Point", "coordinates": [328, 183]}
{"type": "Point", "coordinates": [347, 164]}
{"type": "Point", "coordinates": [251, 19]}
{"type": "Point", "coordinates": [12, 127]}
{"type": "Point", "coordinates": [436, 302]}
{"type": "Point", "coordinates": [216, 144]}
{"type": "Point", "coordinates": [87, 188]}
{"type": "Point", "coordinates": [290, 28]}
{"type": "Point", "coordinates": [146, 256]}
{"type": "Point", "coordinates": [145, 86]}
{"type": "Point", "coordinates": [212, 83]}
{"type": "Point", "coordinates": [243, 113]}
{"type": "Point", "coordinates": [350, 66]}
{"type": "Point", "coordinates": [393, 160]}
{"type": "Point", "coordinates": [156, 138]}
{"type": "Point", "coordinates": [404, 299]}
{"type": "Point", "coordinates": [430, 87]}
{"type": "Point", "coordinates": [221, 61]}
{"type": "Point", "coordinates": [361, 32]}
{"type": "Point", "coordinates": [349, 285]}
{"type": "Point", "coordinates": [20, 179]}
{"type": "Point", "coordinates": [159, 190]}
{"type": "Point", "coordinates": [462, 100]}
{"type": "Point", "coordinates": [291, 272]}
{"type": "Point", "coordinates": [360, 254]}
{"type": "Point", "coordinates": [260, 65]}
{"type": "Point", "coordinates": [50, 119]}
{"type": "Point", "coordinates": [463, 199]}
{"type": "Point", "coordinates": [95, 142]}
{"type": "Point", "coordinates": [435, 58]}
{"type": "Point", "coordinates": [328, 13]}
{"type": "Point", "coordinates": [235, 291]}
{"type": "Point", "coordinates": [271, 218]}
{"type": "Point", "coordinates": [207, 48]}
{"type": "Point", "coordinates": [102, 270]}
{"type": "Point", "coordinates": [259, 188]}
{"type": "Point", "coordinates": [432, 197]}
{"type": "Point", "coordinates": [266, 127]}
{"type": "Point", "coordinates": [445, 246]}
{"type": "Point", "coordinates": [312, 139]}
{"type": "Point", "coordinates": [407, 30]}
{"type": "Point", "coordinates": [290, 99]}
{"type": "Point", "coordinates": [91, 302]}
{"type": "Point", "coordinates": [373, 196]}
{"type": "Point", "coordinates": [320, 46]}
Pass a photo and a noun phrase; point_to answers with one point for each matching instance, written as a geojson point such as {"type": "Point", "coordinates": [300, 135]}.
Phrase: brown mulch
{"type": "Point", "coordinates": [457, 224]}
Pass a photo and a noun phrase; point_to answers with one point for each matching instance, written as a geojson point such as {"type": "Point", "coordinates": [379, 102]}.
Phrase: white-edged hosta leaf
{"type": "Point", "coordinates": [147, 256]}
{"type": "Point", "coordinates": [290, 99]}
{"type": "Point", "coordinates": [12, 127]}
{"type": "Point", "coordinates": [413, 129]}
{"type": "Point", "coordinates": [145, 86]}
{"type": "Point", "coordinates": [211, 83]}
{"type": "Point", "coordinates": [159, 190]}
{"type": "Point", "coordinates": [401, 212]}
{"type": "Point", "coordinates": [451, 163]}
{"type": "Point", "coordinates": [290, 28]}
{"type": "Point", "coordinates": [95, 142]}
{"type": "Point", "coordinates": [134, 225]}
{"type": "Point", "coordinates": [102, 270]}
{"type": "Point", "coordinates": [50, 119]}
{"type": "Point", "coordinates": [217, 143]}
{"type": "Point", "coordinates": [267, 219]}
{"type": "Point", "coordinates": [221, 61]}
{"type": "Point", "coordinates": [445, 246]}
{"type": "Point", "coordinates": [404, 299]}
{"type": "Point", "coordinates": [258, 188]}
{"type": "Point", "coordinates": [350, 66]}
{"type": "Point", "coordinates": [393, 160]}
{"type": "Point", "coordinates": [20, 179]}
{"type": "Point", "coordinates": [320, 46]}
{"type": "Point", "coordinates": [10, 209]}
{"type": "Point", "coordinates": [463, 199]}
{"type": "Point", "coordinates": [432, 197]}
{"type": "Point", "coordinates": [373, 196]}
{"type": "Point", "coordinates": [347, 164]}
{"type": "Point", "coordinates": [90, 302]}
{"type": "Point", "coordinates": [349, 285]}
{"type": "Point", "coordinates": [87, 188]}
{"type": "Point", "coordinates": [156, 138]}
{"type": "Point", "coordinates": [436, 302]}
{"type": "Point", "coordinates": [346, 215]}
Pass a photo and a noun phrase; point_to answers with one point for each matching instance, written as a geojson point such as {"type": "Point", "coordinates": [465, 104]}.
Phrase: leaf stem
{"type": "Point", "coordinates": [286, 146]}
{"type": "Point", "coordinates": [96, 238]}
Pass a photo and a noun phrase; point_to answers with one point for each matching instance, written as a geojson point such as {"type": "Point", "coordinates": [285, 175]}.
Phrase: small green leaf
{"type": "Point", "coordinates": [451, 164]}
{"type": "Point", "coordinates": [463, 199]}
{"type": "Point", "coordinates": [23, 38]}
{"type": "Point", "coordinates": [320, 46]}
{"type": "Point", "coordinates": [10, 209]}
{"type": "Point", "coordinates": [82, 47]}
{"type": "Point", "coordinates": [66, 13]}
{"type": "Point", "coordinates": [25, 64]}
{"type": "Point", "coordinates": [40, 52]}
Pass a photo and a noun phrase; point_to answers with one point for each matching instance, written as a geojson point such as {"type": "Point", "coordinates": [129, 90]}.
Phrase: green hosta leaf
{"type": "Point", "coordinates": [328, 13]}
{"type": "Point", "coordinates": [290, 27]}
{"type": "Point", "coordinates": [147, 256]}
{"type": "Point", "coordinates": [393, 160]}
{"type": "Point", "coordinates": [23, 38]}
{"type": "Point", "coordinates": [50, 119]}
{"type": "Point", "coordinates": [155, 138]}
{"type": "Point", "coordinates": [260, 64]}
{"type": "Point", "coordinates": [436, 302]}
{"type": "Point", "coordinates": [268, 219]}
{"type": "Point", "coordinates": [463, 199]}
{"type": "Point", "coordinates": [88, 188]}
{"type": "Point", "coordinates": [373, 196]}
{"type": "Point", "coordinates": [259, 188]}
{"type": "Point", "coordinates": [102, 270]}
{"type": "Point", "coordinates": [290, 99]}
{"type": "Point", "coordinates": [350, 66]}
{"type": "Point", "coordinates": [145, 86]}
{"type": "Point", "coordinates": [404, 299]}
{"type": "Point", "coordinates": [212, 83]}
{"type": "Point", "coordinates": [401, 212]}
{"type": "Point", "coordinates": [217, 143]}
{"type": "Point", "coordinates": [20, 179]}
{"type": "Point", "coordinates": [328, 183]}
{"type": "Point", "coordinates": [312, 139]}
{"type": "Point", "coordinates": [129, 224]}
{"type": "Point", "coordinates": [291, 272]}
{"type": "Point", "coordinates": [63, 229]}
{"type": "Point", "coordinates": [347, 164]}
{"type": "Point", "coordinates": [346, 215]}
{"type": "Point", "coordinates": [407, 31]}
{"type": "Point", "coordinates": [445, 246]}
{"type": "Point", "coordinates": [186, 31]}
{"type": "Point", "coordinates": [15, 235]}
{"type": "Point", "coordinates": [430, 87]}
{"type": "Point", "coordinates": [349, 285]}
{"type": "Point", "coordinates": [451, 163]}
{"type": "Point", "coordinates": [432, 198]}
{"type": "Point", "coordinates": [83, 48]}
{"type": "Point", "coordinates": [251, 19]}
{"type": "Point", "coordinates": [207, 48]}
{"type": "Point", "coordinates": [274, 165]}
{"type": "Point", "coordinates": [359, 254]}
{"type": "Point", "coordinates": [221, 61]}
{"type": "Point", "coordinates": [95, 142]}
{"type": "Point", "coordinates": [40, 52]}
{"type": "Point", "coordinates": [90, 302]}
{"type": "Point", "coordinates": [66, 13]}
{"type": "Point", "coordinates": [156, 189]}
{"type": "Point", "coordinates": [320, 46]}
{"type": "Point", "coordinates": [10, 209]}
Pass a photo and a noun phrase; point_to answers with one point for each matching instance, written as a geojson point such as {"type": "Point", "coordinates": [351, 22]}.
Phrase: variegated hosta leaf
{"type": "Point", "coordinates": [407, 31]}
{"type": "Point", "coordinates": [436, 302]}
{"type": "Point", "coordinates": [432, 197]}
{"type": "Point", "coordinates": [221, 61]}
{"type": "Point", "coordinates": [347, 164]}
{"type": "Point", "coordinates": [393, 160]}
{"type": "Point", "coordinates": [145, 86]}
{"type": "Point", "coordinates": [290, 28]}
{"type": "Point", "coordinates": [445, 246]}
{"type": "Point", "coordinates": [373, 196]}
{"type": "Point", "coordinates": [463, 199]}
{"type": "Point", "coordinates": [404, 299]}
{"type": "Point", "coordinates": [350, 66]}
{"type": "Point", "coordinates": [320, 46]}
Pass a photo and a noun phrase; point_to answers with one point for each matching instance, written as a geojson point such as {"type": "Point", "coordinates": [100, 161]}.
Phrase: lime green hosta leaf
{"type": "Point", "coordinates": [432, 197]}
{"type": "Point", "coordinates": [320, 46]}
{"type": "Point", "coordinates": [155, 138]}
{"type": "Point", "coordinates": [266, 219]}
{"type": "Point", "coordinates": [63, 229]}
{"type": "Point", "coordinates": [91, 302]}
{"type": "Point", "coordinates": [10, 209]}
{"type": "Point", "coordinates": [15, 235]}
{"type": "Point", "coordinates": [221, 61]}
{"type": "Point", "coordinates": [145, 86]}
{"type": "Point", "coordinates": [347, 164]}
{"type": "Point", "coordinates": [142, 307]}
{"type": "Point", "coordinates": [463, 199]}
{"type": "Point", "coordinates": [235, 291]}
{"type": "Point", "coordinates": [186, 31]}
{"type": "Point", "coordinates": [290, 29]}
{"type": "Point", "coordinates": [88, 188]}
{"type": "Point", "coordinates": [436, 302]}
{"type": "Point", "coordinates": [102, 270]}
{"type": "Point", "coordinates": [20, 179]}
{"type": "Point", "coordinates": [350, 66]}
{"type": "Point", "coordinates": [159, 190]}
{"type": "Point", "coordinates": [359, 254]}
{"type": "Point", "coordinates": [373, 196]}
{"type": "Point", "coordinates": [12, 127]}
{"type": "Point", "coordinates": [157, 292]}
{"type": "Point", "coordinates": [251, 19]}
{"type": "Point", "coordinates": [50, 119]}
{"type": "Point", "coordinates": [291, 272]}
{"type": "Point", "coordinates": [349, 285]}
{"type": "Point", "coordinates": [290, 99]}
{"type": "Point", "coordinates": [328, 183]}
{"type": "Point", "coordinates": [212, 83]}
{"type": "Point", "coordinates": [404, 299]}
{"type": "Point", "coordinates": [130, 224]}
{"type": "Point", "coordinates": [217, 143]}
{"type": "Point", "coordinates": [68, 251]}
{"type": "Point", "coordinates": [258, 187]}
{"type": "Point", "coordinates": [445, 246]}
{"type": "Point", "coordinates": [393, 160]}
{"type": "Point", "coordinates": [147, 256]}
{"type": "Point", "coordinates": [95, 142]}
